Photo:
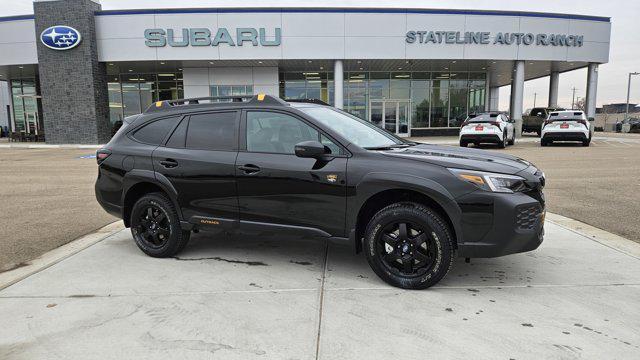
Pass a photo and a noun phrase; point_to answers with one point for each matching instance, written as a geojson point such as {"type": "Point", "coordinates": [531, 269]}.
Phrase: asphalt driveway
{"type": "Point", "coordinates": [283, 299]}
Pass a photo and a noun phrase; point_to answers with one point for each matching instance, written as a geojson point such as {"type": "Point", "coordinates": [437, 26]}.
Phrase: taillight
{"type": "Point", "coordinates": [547, 122]}
{"type": "Point", "coordinates": [464, 123]}
{"type": "Point", "coordinates": [102, 154]}
{"type": "Point", "coordinates": [494, 123]}
{"type": "Point", "coordinates": [583, 122]}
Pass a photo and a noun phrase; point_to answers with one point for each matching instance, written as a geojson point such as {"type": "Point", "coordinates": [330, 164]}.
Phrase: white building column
{"type": "Point", "coordinates": [592, 88]}
{"type": "Point", "coordinates": [554, 81]}
{"type": "Point", "coordinates": [338, 83]}
{"type": "Point", "coordinates": [517, 91]}
{"type": "Point", "coordinates": [487, 94]}
{"type": "Point", "coordinates": [494, 101]}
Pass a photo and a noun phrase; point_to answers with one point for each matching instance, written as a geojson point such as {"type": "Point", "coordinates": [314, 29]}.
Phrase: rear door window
{"type": "Point", "coordinates": [213, 131]}
{"type": "Point", "coordinates": [154, 132]}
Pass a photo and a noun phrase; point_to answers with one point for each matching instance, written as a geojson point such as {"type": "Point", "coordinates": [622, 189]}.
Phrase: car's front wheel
{"type": "Point", "coordinates": [409, 245]}
{"type": "Point", "coordinates": [155, 226]}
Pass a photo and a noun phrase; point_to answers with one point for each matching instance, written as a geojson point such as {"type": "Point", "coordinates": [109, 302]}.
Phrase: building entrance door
{"type": "Point", "coordinates": [392, 115]}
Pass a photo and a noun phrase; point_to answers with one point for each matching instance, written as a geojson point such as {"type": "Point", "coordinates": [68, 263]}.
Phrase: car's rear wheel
{"type": "Point", "coordinates": [544, 142]}
{"type": "Point", "coordinates": [513, 138]}
{"type": "Point", "coordinates": [409, 246]}
{"type": "Point", "coordinates": [155, 226]}
{"type": "Point", "coordinates": [503, 144]}
{"type": "Point", "coordinates": [463, 143]}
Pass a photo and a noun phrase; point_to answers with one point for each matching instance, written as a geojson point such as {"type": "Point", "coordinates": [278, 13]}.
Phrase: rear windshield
{"type": "Point", "coordinates": [483, 118]}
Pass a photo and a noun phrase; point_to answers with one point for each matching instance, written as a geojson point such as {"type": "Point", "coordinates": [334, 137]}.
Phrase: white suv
{"type": "Point", "coordinates": [494, 128]}
{"type": "Point", "coordinates": [569, 125]}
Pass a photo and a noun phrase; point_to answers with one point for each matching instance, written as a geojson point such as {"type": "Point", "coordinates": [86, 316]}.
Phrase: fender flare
{"type": "Point", "coordinates": [376, 182]}
{"type": "Point", "coordinates": [137, 176]}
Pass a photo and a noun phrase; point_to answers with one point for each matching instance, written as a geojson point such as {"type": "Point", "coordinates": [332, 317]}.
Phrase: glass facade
{"type": "Point", "coordinates": [307, 85]}
{"type": "Point", "coordinates": [438, 99]}
{"type": "Point", "coordinates": [132, 93]}
{"type": "Point", "coordinates": [26, 113]}
{"type": "Point", "coordinates": [229, 90]}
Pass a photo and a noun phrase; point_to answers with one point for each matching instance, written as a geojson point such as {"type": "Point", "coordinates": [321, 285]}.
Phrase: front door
{"type": "Point", "coordinates": [278, 190]}
{"type": "Point", "coordinates": [392, 115]}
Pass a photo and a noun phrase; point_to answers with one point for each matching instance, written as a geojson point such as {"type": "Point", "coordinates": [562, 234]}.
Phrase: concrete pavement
{"type": "Point", "coordinates": [575, 297]}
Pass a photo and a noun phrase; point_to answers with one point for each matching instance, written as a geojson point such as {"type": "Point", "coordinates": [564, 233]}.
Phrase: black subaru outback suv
{"type": "Point", "coordinates": [260, 165]}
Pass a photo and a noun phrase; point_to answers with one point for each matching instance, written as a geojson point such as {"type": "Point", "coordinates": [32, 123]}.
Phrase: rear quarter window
{"type": "Point", "coordinates": [155, 131]}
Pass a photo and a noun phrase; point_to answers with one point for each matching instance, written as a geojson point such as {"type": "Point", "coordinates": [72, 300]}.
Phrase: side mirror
{"type": "Point", "coordinates": [311, 149]}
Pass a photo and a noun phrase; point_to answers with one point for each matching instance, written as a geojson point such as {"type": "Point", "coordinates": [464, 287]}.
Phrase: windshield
{"type": "Point", "coordinates": [356, 130]}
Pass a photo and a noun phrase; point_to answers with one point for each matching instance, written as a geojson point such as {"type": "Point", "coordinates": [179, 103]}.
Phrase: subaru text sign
{"type": "Point", "coordinates": [207, 37]}
{"type": "Point", "coordinates": [60, 37]}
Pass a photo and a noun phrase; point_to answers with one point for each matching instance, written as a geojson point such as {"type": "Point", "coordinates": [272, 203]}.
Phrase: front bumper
{"type": "Point", "coordinates": [497, 224]}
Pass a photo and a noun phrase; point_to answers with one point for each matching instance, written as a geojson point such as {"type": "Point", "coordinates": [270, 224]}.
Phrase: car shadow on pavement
{"type": "Point", "coordinates": [342, 267]}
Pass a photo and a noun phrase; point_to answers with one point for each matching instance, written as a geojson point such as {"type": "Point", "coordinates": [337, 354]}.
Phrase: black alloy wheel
{"type": "Point", "coordinates": [406, 249]}
{"type": "Point", "coordinates": [153, 226]}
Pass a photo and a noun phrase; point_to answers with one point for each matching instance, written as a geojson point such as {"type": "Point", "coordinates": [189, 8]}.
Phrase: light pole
{"type": "Point", "coordinates": [534, 99]}
{"type": "Point", "coordinates": [626, 113]}
{"type": "Point", "coordinates": [573, 98]}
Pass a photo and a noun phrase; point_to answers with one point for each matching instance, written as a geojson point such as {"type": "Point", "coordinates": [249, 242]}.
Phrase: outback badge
{"type": "Point", "coordinates": [332, 178]}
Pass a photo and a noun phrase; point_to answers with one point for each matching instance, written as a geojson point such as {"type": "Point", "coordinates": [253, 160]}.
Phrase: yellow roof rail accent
{"type": "Point", "coordinates": [158, 104]}
{"type": "Point", "coordinates": [261, 97]}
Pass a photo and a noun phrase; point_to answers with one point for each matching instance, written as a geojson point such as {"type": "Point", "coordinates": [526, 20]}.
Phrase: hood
{"type": "Point", "coordinates": [461, 158]}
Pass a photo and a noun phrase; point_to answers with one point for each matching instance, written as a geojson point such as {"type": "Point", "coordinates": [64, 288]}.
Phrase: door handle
{"type": "Point", "coordinates": [169, 163]}
{"type": "Point", "coordinates": [249, 168]}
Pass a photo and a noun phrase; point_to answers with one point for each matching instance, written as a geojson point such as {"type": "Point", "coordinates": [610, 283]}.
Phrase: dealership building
{"type": "Point", "coordinates": [74, 69]}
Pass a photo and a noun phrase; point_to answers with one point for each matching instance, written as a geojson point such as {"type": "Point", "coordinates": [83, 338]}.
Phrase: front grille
{"type": "Point", "coordinates": [527, 216]}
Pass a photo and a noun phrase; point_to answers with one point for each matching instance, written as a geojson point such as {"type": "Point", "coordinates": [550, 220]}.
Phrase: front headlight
{"type": "Point", "coordinates": [502, 183]}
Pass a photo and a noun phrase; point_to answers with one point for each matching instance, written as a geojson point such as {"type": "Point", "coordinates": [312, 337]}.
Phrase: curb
{"type": "Point", "coordinates": [47, 146]}
{"type": "Point", "coordinates": [605, 238]}
{"type": "Point", "coordinates": [56, 255]}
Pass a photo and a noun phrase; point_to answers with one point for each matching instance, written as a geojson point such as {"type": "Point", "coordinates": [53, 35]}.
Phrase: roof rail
{"type": "Point", "coordinates": [309, 101]}
{"type": "Point", "coordinates": [260, 99]}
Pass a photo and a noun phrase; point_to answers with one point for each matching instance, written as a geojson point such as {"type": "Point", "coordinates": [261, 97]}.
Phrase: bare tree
{"type": "Point", "coordinates": [580, 104]}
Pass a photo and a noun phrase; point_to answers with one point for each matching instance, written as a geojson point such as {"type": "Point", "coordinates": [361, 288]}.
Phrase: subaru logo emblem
{"type": "Point", "coordinates": [60, 37]}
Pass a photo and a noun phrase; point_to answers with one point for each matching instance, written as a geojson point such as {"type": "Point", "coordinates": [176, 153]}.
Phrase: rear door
{"type": "Point", "coordinates": [277, 189]}
{"type": "Point", "coordinates": [199, 161]}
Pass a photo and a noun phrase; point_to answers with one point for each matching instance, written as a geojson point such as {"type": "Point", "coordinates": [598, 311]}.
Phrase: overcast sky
{"type": "Point", "coordinates": [612, 86]}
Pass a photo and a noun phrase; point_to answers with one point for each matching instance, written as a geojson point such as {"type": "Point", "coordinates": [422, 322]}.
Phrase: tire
{"type": "Point", "coordinates": [155, 226]}
{"type": "Point", "coordinates": [428, 237]}
{"type": "Point", "coordinates": [463, 143]}
{"type": "Point", "coordinates": [586, 142]}
{"type": "Point", "coordinates": [513, 139]}
{"type": "Point", "coordinates": [503, 144]}
{"type": "Point", "coordinates": [543, 142]}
